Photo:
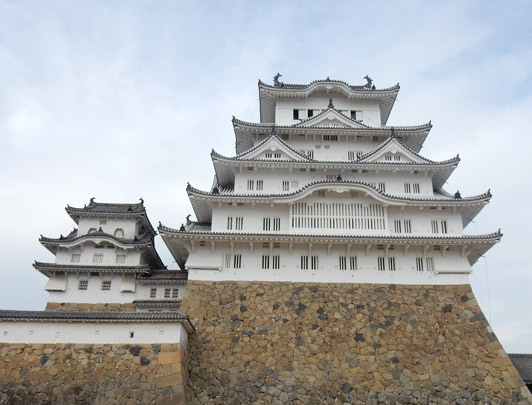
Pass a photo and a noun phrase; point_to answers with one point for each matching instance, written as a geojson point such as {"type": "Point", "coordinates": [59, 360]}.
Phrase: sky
{"type": "Point", "coordinates": [120, 100]}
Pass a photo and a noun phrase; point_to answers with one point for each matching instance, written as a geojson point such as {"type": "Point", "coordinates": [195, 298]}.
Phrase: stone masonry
{"type": "Point", "coordinates": [310, 343]}
{"type": "Point", "coordinates": [92, 374]}
{"type": "Point", "coordinates": [75, 306]}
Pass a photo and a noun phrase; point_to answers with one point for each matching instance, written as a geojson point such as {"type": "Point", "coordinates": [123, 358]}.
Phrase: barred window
{"type": "Point", "coordinates": [98, 258]}
{"type": "Point", "coordinates": [353, 263]}
{"type": "Point", "coordinates": [175, 292]}
{"type": "Point", "coordinates": [419, 264]}
{"type": "Point", "coordinates": [75, 257]}
{"type": "Point", "coordinates": [83, 284]}
{"type": "Point", "coordinates": [120, 258]}
{"type": "Point", "coordinates": [153, 292]}
{"type": "Point", "coordinates": [167, 292]}
{"type": "Point", "coordinates": [106, 285]}
{"type": "Point", "coordinates": [342, 262]}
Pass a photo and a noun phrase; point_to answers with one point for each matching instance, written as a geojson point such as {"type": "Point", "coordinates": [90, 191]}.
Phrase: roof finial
{"type": "Point", "coordinates": [188, 219]}
{"type": "Point", "coordinates": [328, 79]}
{"type": "Point", "coordinates": [457, 194]}
{"type": "Point", "coordinates": [182, 228]}
{"type": "Point", "coordinates": [273, 131]}
{"type": "Point", "coordinates": [141, 200]}
{"type": "Point", "coordinates": [92, 200]}
{"type": "Point", "coordinates": [369, 83]}
{"type": "Point", "coordinates": [331, 105]}
{"type": "Point", "coordinates": [339, 177]}
{"type": "Point", "coordinates": [276, 81]}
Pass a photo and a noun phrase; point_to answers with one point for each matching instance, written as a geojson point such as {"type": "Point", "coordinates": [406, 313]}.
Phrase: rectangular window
{"type": "Point", "coordinates": [296, 114]}
{"type": "Point", "coordinates": [443, 226]}
{"type": "Point", "coordinates": [353, 115]}
{"type": "Point", "coordinates": [227, 263]}
{"type": "Point", "coordinates": [382, 187]}
{"type": "Point", "coordinates": [83, 284]}
{"type": "Point", "coordinates": [415, 188]}
{"type": "Point", "coordinates": [269, 155]}
{"type": "Point", "coordinates": [388, 157]}
{"type": "Point", "coordinates": [229, 223]}
{"type": "Point", "coordinates": [434, 226]}
{"type": "Point", "coordinates": [408, 188]}
{"type": "Point", "coordinates": [407, 226]}
{"type": "Point", "coordinates": [397, 226]}
{"type": "Point", "coordinates": [237, 262]}
{"type": "Point", "coordinates": [106, 285]}
{"type": "Point", "coordinates": [260, 185]}
{"type": "Point", "coordinates": [276, 224]}
{"type": "Point", "coordinates": [239, 223]}
{"type": "Point", "coordinates": [285, 137]}
{"type": "Point", "coordinates": [103, 221]}
{"type": "Point", "coordinates": [266, 224]}
{"type": "Point", "coordinates": [381, 261]}
{"type": "Point", "coordinates": [353, 263]}
{"type": "Point", "coordinates": [98, 258]}
{"type": "Point", "coordinates": [277, 156]}
{"type": "Point", "coordinates": [330, 138]}
{"type": "Point", "coordinates": [304, 262]}
{"type": "Point", "coordinates": [175, 291]}
{"type": "Point", "coordinates": [167, 292]}
{"type": "Point", "coordinates": [351, 155]}
{"type": "Point", "coordinates": [276, 262]}
{"type": "Point", "coordinates": [391, 263]}
{"type": "Point", "coordinates": [265, 261]}
{"type": "Point", "coordinates": [342, 263]}
{"type": "Point", "coordinates": [314, 262]}
{"type": "Point", "coordinates": [397, 158]}
{"type": "Point", "coordinates": [295, 184]}
{"type": "Point", "coordinates": [75, 257]}
{"type": "Point", "coordinates": [419, 264]}
{"type": "Point", "coordinates": [120, 258]}
{"type": "Point", "coordinates": [430, 264]}
{"type": "Point", "coordinates": [308, 153]}
{"type": "Point", "coordinates": [153, 292]}
{"type": "Point", "coordinates": [310, 113]}
{"type": "Point", "coordinates": [359, 154]}
{"type": "Point", "coordinates": [251, 184]}
{"type": "Point", "coordinates": [321, 193]}
{"type": "Point", "coordinates": [330, 177]}
{"type": "Point", "coordinates": [286, 185]}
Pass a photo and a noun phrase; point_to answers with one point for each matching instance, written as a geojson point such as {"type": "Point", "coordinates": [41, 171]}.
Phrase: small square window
{"type": "Point", "coordinates": [120, 258]}
{"type": "Point", "coordinates": [106, 285]}
{"type": "Point", "coordinates": [167, 292]}
{"type": "Point", "coordinates": [83, 284]}
{"type": "Point", "coordinates": [174, 293]}
{"type": "Point", "coordinates": [153, 292]}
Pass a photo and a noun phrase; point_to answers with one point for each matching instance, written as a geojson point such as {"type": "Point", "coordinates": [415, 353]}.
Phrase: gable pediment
{"type": "Point", "coordinates": [272, 149]}
{"type": "Point", "coordinates": [392, 151]}
{"type": "Point", "coordinates": [330, 118]}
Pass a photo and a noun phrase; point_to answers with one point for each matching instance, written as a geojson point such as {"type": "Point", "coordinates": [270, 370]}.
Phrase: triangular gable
{"type": "Point", "coordinates": [393, 151]}
{"type": "Point", "coordinates": [330, 118]}
{"type": "Point", "coordinates": [272, 148]}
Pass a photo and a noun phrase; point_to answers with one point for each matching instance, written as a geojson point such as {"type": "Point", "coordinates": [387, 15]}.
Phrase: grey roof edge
{"type": "Point", "coordinates": [420, 128]}
{"type": "Point", "coordinates": [94, 316]}
{"type": "Point", "coordinates": [494, 236]}
{"type": "Point", "coordinates": [478, 198]}
{"type": "Point", "coordinates": [147, 240]}
{"type": "Point", "coordinates": [142, 268]}
{"type": "Point", "coordinates": [353, 88]}
{"type": "Point", "coordinates": [523, 364]}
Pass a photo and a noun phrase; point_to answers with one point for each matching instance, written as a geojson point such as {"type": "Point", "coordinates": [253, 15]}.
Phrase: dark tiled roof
{"type": "Point", "coordinates": [109, 208]}
{"type": "Point", "coordinates": [165, 277]}
{"type": "Point", "coordinates": [88, 268]}
{"type": "Point", "coordinates": [147, 238]}
{"type": "Point", "coordinates": [478, 198]}
{"type": "Point", "coordinates": [523, 364]}
{"type": "Point", "coordinates": [158, 303]}
{"type": "Point", "coordinates": [64, 316]}
{"type": "Point", "coordinates": [288, 86]}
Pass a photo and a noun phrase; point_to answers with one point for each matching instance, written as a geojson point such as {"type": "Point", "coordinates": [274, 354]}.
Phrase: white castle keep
{"type": "Point", "coordinates": [322, 190]}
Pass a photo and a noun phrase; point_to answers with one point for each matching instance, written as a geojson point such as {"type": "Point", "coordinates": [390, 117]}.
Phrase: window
{"type": "Point", "coordinates": [120, 258]}
{"type": "Point", "coordinates": [353, 115]}
{"type": "Point", "coordinates": [310, 113]}
{"type": "Point", "coordinates": [381, 187]}
{"type": "Point", "coordinates": [175, 292]}
{"type": "Point", "coordinates": [415, 188]}
{"type": "Point", "coordinates": [103, 221]}
{"type": "Point", "coordinates": [353, 263]}
{"type": "Point", "coordinates": [83, 284]}
{"type": "Point", "coordinates": [260, 185]}
{"type": "Point", "coordinates": [419, 264]}
{"type": "Point", "coordinates": [402, 226]}
{"type": "Point", "coordinates": [308, 153]}
{"type": "Point", "coordinates": [314, 262]}
{"type": "Point", "coordinates": [277, 156]}
{"type": "Point", "coordinates": [304, 262]}
{"type": "Point", "coordinates": [234, 260]}
{"type": "Point", "coordinates": [119, 233]}
{"type": "Point", "coordinates": [269, 155]}
{"type": "Point", "coordinates": [251, 184]}
{"type": "Point", "coordinates": [276, 262]}
{"type": "Point", "coordinates": [75, 257]}
{"type": "Point", "coordinates": [330, 138]}
{"type": "Point", "coordinates": [239, 223]}
{"type": "Point", "coordinates": [153, 292]}
{"type": "Point", "coordinates": [434, 226]}
{"type": "Point", "coordinates": [381, 263]}
{"type": "Point", "coordinates": [407, 188]}
{"type": "Point", "coordinates": [265, 261]}
{"type": "Point", "coordinates": [407, 226]}
{"type": "Point", "coordinates": [229, 223]}
{"type": "Point", "coordinates": [276, 224]}
{"type": "Point", "coordinates": [266, 224]}
{"type": "Point", "coordinates": [388, 157]}
{"type": "Point", "coordinates": [352, 155]}
{"type": "Point", "coordinates": [321, 193]}
{"type": "Point", "coordinates": [443, 226]}
{"type": "Point", "coordinates": [98, 258]}
{"type": "Point", "coordinates": [295, 184]}
{"type": "Point", "coordinates": [285, 137]}
{"type": "Point", "coordinates": [342, 263]}
{"type": "Point", "coordinates": [167, 292]}
{"type": "Point", "coordinates": [106, 285]}
{"type": "Point", "coordinates": [391, 263]}
{"type": "Point", "coordinates": [286, 185]}
{"type": "Point", "coordinates": [296, 114]}
{"type": "Point", "coordinates": [237, 261]}
{"type": "Point", "coordinates": [91, 230]}
{"type": "Point", "coordinates": [430, 264]}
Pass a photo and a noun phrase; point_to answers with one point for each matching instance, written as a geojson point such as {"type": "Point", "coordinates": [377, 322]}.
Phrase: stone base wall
{"type": "Point", "coordinates": [309, 343]}
{"type": "Point", "coordinates": [76, 306]}
{"type": "Point", "coordinates": [92, 374]}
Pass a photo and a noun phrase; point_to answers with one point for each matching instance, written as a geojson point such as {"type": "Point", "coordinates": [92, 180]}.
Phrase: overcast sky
{"type": "Point", "coordinates": [125, 99]}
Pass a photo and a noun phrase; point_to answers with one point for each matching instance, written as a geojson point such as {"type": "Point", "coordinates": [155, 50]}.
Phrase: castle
{"type": "Point", "coordinates": [326, 264]}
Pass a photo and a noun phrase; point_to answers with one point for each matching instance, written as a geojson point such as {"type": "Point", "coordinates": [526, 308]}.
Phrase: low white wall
{"type": "Point", "coordinates": [92, 332]}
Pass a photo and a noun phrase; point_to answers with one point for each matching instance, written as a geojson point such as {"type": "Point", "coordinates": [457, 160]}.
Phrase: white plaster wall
{"type": "Point", "coordinates": [128, 225]}
{"type": "Point", "coordinates": [88, 249]}
{"type": "Point", "coordinates": [143, 290]}
{"type": "Point", "coordinates": [92, 332]}
{"type": "Point", "coordinates": [320, 101]}
{"type": "Point", "coordinates": [329, 271]}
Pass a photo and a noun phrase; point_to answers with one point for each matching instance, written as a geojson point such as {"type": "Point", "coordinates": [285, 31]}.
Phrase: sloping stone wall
{"type": "Point", "coordinates": [92, 374]}
{"type": "Point", "coordinates": [313, 343]}
{"type": "Point", "coordinates": [76, 306]}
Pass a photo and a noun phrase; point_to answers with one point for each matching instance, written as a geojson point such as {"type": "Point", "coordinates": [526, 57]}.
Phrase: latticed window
{"type": "Point", "coordinates": [75, 257]}
{"type": "Point", "coordinates": [430, 264]}
{"type": "Point", "coordinates": [83, 284]}
{"type": "Point", "coordinates": [153, 292]}
{"type": "Point", "coordinates": [97, 258]}
{"type": "Point", "coordinates": [106, 285]}
{"type": "Point", "coordinates": [175, 292]}
{"type": "Point", "coordinates": [167, 292]}
{"type": "Point", "coordinates": [120, 258]}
